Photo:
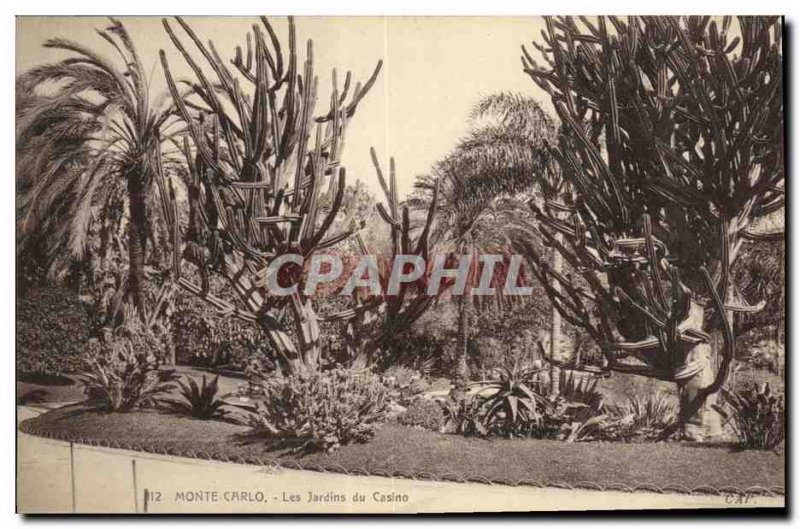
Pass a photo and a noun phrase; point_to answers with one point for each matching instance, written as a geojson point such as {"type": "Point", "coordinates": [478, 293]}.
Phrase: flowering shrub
{"type": "Point", "coordinates": [399, 376]}
{"type": "Point", "coordinates": [320, 410]}
{"type": "Point", "coordinates": [404, 384]}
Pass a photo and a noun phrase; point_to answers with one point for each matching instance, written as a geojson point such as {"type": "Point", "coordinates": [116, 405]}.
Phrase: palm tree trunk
{"type": "Point", "coordinates": [460, 369]}
{"type": "Point", "coordinates": [137, 240]}
{"type": "Point", "coordinates": [556, 339]}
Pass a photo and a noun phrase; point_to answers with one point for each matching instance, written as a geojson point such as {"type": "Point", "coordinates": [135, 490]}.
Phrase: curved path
{"type": "Point", "coordinates": [56, 476]}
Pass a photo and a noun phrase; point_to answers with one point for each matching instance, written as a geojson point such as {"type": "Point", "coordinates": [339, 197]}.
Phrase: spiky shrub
{"type": "Point", "coordinates": [511, 406]}
{"type": "Point", "coordinates": [521, 403]}
{"type": "Point", "coordinates": [119, 377]}
{"type": "Point", "coordinates": [464, 416]}
{"type": "Point", "coordinates": [313, 410]}
{"type": "Point", "coordinates": [578, 410]}
{"type": "Point", "coordinates": [672, 144]}
{"type": "Point", "coordinates": [640, 417]}
{"type": "Point", "coordinates": [200, 401]}
{"type": "Point", "coordinates": [577, 387]}
{"type": "Point", "coordinates": [651, 411]}
{"type": "Point", "coordinates": [757, 416]}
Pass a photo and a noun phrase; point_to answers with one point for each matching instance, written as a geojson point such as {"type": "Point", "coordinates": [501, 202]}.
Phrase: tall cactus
{"type": "Point", "coordinates": [259, 161]}
{"type": "Point", "coordinates": [672, 144]}
{"type": "Point", "coordinates": [375, 321]}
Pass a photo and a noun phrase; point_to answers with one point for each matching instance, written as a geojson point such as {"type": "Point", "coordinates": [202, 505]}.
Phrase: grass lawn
{"type": "Point", "coordinates": [404, 451]}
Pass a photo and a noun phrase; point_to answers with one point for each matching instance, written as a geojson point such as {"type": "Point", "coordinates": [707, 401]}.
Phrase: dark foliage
{"type": "Point", "coordinates": [425, 413]}
{"type": "Point", "coordinates": [760, 271]}
{"type": "Point", "coordinates": [757, 416]}
{"type": "Point", "coordinates": [53, 327]}
{"type": "Point", "coordinates": [202, 337]}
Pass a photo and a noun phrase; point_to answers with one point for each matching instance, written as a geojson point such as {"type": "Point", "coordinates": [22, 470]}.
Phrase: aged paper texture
{"type": "Point", "coordinates": [399, 264]}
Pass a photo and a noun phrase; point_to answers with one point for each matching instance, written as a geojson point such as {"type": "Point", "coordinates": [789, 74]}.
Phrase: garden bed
{"type": "Point", "coordinates": [410, 452]}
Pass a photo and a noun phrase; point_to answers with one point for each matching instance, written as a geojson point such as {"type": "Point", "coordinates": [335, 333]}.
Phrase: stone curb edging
{"type": "Point", "coordinates": [335, 468]}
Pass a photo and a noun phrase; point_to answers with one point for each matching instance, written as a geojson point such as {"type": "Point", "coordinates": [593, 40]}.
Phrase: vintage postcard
{"type": "Point", "coordinates": [399, 264]}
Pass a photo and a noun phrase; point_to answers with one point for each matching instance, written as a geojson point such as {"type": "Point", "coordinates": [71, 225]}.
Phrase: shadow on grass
{"type": "Point", "coordinates": [284, 447]}
{"type": "Point", "coordinates": [71, 411]}
{"type": "Point", "coordinates": [34, 396]}
{"type": "Point", "coordinates": [45, 379]}
{"type": "Point", "coordinates": [732, 447]}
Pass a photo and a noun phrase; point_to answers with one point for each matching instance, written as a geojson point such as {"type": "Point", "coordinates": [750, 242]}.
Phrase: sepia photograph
{"type": "Point", "coordinates": [400, 264]}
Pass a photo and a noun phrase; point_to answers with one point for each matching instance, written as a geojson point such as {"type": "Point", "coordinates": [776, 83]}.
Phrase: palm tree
{"type": "Point", "coordinates": [88, 134]}
{"type": "Point", "coordinates": [42, 200]}
{"type": "Point", "coordinates": [505, 153]}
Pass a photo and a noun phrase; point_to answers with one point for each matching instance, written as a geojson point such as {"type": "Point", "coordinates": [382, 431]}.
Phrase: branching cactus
{"type": "Point", "coordinates": [374, 320]}
{"type": "Point", "coordinates": [259, 161]}
{"type": "Point", "coordinates": [672, 144]}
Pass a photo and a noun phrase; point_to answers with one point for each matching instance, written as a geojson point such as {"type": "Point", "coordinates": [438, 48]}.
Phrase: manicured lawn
{"type": "Point", "coordinates": [400, 450]}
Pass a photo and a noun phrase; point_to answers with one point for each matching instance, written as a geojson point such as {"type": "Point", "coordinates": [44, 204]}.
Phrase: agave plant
{"type": "Point", "coordinates": [640, 417]}
{"type": "Point", "coordinates": [511, 404]}
{"type": "Point", "coordinates": [200, 401]}
{"type": "Point", "coordinates": [651, 411]}
{"type": "Point", "coordinates": [577, 409]}
{"type": "Point", "coordinates": [582, 388]}
{"type": "Point", "coordinates": [585, 427]}
{"type": "Point", "coordinates": [463, 416]}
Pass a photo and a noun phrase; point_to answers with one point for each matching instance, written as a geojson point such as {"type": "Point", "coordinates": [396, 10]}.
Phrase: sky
{"type": "Point", "coordinates": [435, 69]}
